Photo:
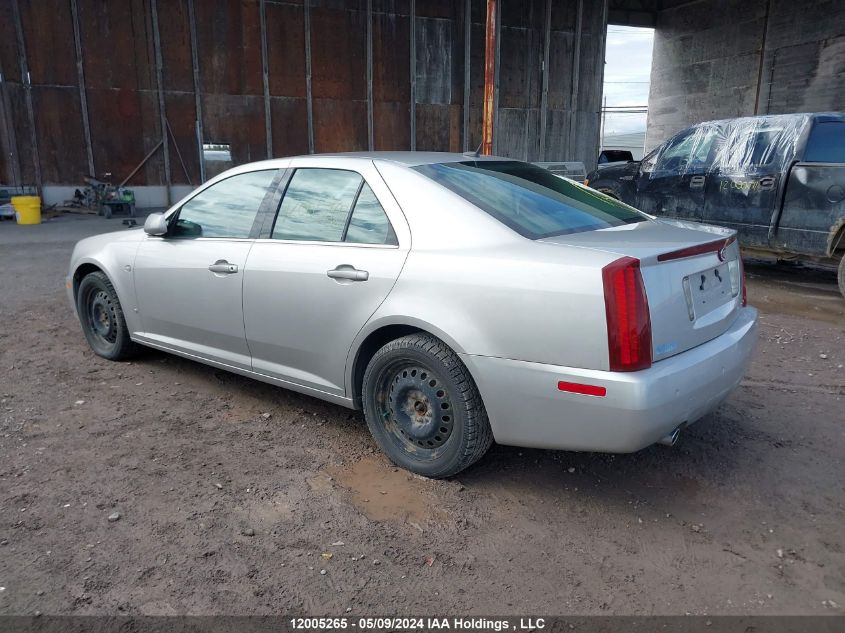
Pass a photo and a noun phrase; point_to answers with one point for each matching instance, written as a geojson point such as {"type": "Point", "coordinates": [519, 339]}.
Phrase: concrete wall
{"type": "Point", "coordinates": [725, 58]}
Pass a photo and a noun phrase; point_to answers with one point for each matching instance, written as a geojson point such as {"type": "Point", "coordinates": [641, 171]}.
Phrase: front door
{"type": "Point", "coordinates": [672, 182]}
{"type": "Point", "coordinates": [189, 282]}
{"type": "Point", "coordinates": [329, 260]}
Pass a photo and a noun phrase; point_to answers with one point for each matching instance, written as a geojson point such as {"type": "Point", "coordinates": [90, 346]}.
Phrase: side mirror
{"type": "Point", "coordinates": [156, 224]}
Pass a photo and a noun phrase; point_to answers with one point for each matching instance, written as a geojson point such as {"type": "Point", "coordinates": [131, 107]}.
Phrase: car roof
{"type": "Point", "coordinates": [815, 116]}
{"type": "Point", "coordinates": [410, 159]}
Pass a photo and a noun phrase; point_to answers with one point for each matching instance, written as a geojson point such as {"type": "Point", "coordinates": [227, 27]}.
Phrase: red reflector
{"type": "Point", "coordinates": [701, 249]}
{"type": "Point", "coordinates": [628, 319]}
{"type": "Point", "coordinates": [742, 282]}
{"type": "Point", "coordinates": [577, 387]}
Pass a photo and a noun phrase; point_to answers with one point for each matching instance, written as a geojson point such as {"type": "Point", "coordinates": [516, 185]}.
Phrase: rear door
{"type": "Point", "coordinates": [673, 182]}
{"type": "Point", "coordinates": [322, 269]}
{"type": "Point", "coordinates": [814, 201]}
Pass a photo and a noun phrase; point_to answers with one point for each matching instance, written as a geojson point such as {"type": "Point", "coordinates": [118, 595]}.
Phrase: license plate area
{"type": "Point", "coordinates": [709, 289]}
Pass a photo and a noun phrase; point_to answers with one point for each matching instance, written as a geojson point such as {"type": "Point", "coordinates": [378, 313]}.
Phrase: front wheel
{"type": "Point", "coordinates": [102, 318]}
{"type": "Point", "coordinates": [423, 407]}
{"type": "Point", "coordinates": [841, 276]}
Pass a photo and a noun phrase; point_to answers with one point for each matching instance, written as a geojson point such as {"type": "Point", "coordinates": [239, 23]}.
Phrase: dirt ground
{"type": "Point", "coordinates": [237, 497]}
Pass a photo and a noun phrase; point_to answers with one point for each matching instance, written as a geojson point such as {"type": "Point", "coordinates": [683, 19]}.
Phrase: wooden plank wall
{"type": "Point", "coordinates": [328, 87]}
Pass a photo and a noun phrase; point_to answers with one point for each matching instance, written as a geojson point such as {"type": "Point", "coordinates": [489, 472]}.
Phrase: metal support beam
{"type": "Point", "coordinates": [544, 95]}
{"type": "Point", "coordinates": [576, 78]}
{"type": "Point", "coordinates": [25, 78]}
{"type": "Point", "coordinates": [265, 74]}
{"type": "Point", "coordinates": [467, 55]}
{"type": "Point", "coordinates": [162, 112]}
{"type": "Point", "coordinates": [80, 78]}
{"type": "Point", "coordinates": [197, 87]}
{"type": "Point", "coordinates": [496, 76]}
{"type": "Point", "coordinates": [413, 105]}
{"type": "Point", "coordinates": [309, 104]}
{"type": "Point", "coordinates": [370, 123]}
{"type": "Point", "coordinates": [490, 47]}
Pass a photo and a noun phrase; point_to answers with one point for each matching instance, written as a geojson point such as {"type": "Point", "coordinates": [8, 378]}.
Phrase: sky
{"type": "Point", "coordinates": [626, 75]}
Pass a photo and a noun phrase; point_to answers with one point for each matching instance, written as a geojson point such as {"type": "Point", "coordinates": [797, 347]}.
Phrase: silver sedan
{"type": "Point", "coordinates": [457, 300]}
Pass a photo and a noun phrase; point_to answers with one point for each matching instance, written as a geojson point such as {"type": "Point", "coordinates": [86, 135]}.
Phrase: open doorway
{"type": "Point", "coordinates": [627, 75]}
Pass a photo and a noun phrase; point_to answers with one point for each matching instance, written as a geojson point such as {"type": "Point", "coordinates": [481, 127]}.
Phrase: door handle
{"type": "Point", "coordinates": [222, 266]}
{"type": "Point", "coordinates": [696, 182]}
{"type": "Point", "coordinates": [348, 272]}
{"type": "Point", "coordinates": [767, 183]}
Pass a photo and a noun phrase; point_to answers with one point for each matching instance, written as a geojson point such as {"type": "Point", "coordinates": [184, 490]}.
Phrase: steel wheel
{"type": "Point", "coordinates": [102, 318]}
{"type": "Point", "coordinates": [423, 408]}
{"type": "Point", "coordinates": [416, 409]}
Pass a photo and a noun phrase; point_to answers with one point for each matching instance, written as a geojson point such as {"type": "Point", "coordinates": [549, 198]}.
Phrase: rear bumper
{"type": "Point", "coordinates": [526, 408]}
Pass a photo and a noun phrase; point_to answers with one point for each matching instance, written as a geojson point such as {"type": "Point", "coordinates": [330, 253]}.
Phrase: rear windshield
{"type": "Point", "coordinates": [532, 201]}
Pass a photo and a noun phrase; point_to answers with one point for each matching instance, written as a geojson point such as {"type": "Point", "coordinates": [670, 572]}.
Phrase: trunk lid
{"type": "Point", "coordinates": [693, 295]}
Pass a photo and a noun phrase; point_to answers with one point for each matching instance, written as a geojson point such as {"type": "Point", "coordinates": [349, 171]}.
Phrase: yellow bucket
{"type": "Point", "coordinates": [27, 209]}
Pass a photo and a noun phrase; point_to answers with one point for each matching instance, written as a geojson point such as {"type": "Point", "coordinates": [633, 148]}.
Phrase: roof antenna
{"type": "Point", "coordinates": [476, 153]}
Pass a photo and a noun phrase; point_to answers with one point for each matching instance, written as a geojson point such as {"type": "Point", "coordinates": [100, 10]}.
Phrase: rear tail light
{"type": "Point", "coordinates": [628, 321]}
{"type": "Point", "coordinates": [735, 274]}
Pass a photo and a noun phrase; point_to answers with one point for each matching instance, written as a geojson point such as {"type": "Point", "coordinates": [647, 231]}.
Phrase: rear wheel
{"type": "Point", "coordinates": [102, 318]}
{"type": "Point", "coordinates": [423, 407]}
{"type": "Point", "coordinates": [841, 275]}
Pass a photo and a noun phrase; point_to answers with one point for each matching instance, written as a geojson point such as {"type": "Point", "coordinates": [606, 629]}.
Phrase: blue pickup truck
{"type": "Point", "coordinates": [779, 180]}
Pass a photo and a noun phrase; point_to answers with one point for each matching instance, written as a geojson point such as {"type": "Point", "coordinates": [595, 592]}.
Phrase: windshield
{"type": "Point", "coordinates": [530, 200]}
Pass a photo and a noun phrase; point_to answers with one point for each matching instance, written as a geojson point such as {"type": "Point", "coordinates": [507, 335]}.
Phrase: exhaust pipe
{"type": "Point", "coordinates": [669, 440]}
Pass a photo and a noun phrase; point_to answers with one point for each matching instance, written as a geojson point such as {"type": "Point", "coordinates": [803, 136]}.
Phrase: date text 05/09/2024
{"type": "Point", "coordinates": [423, 624]}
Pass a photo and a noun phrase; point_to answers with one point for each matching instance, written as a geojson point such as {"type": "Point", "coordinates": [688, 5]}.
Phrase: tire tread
{"type": "Point", "coordinates": [478, 434]}
{"type": "Point", "coordinates": [124, 347]}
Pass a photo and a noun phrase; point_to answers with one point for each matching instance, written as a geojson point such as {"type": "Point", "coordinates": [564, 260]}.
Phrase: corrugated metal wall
{"type": "Point", "coordinates": [89, 85]}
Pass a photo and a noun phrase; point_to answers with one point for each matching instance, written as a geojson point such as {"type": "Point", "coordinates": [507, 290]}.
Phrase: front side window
{"type": "Point", "coordinates": [530, 200]}
{"type": "Point", "coordinates": [826, 143]}
{"type": "Point", "coordinates": [331, 205]}
{"type": "Point", "coordinates": [226, 209]}
{"type": "Point", "coordinates": [688, 153]}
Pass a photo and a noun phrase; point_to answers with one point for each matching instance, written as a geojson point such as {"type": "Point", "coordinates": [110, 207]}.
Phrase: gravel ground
{"type": "Point", "coordinates": [163, 486]}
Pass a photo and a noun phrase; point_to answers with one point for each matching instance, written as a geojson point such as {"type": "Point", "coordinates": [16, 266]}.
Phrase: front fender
{"type": "Point", "coordinates": [116, 259]}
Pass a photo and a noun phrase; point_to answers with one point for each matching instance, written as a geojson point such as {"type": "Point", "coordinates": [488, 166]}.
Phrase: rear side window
{"type": "Point", "coordinates": [532, 201]}
{"type": "Point", "coordinates": [316, 205]}
{"type": "Point", "coordinates": [368, 223]}
{"type": "Point", "coordinates": [332, 205]}
{"type": "Point", "coordinates": [826, 143]}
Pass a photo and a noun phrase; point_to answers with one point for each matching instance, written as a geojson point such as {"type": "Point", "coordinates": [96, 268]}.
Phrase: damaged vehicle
{"type": "Point", "coordinates": [778, 180]}
{"type": "Point", "coordinates": [457, 300]}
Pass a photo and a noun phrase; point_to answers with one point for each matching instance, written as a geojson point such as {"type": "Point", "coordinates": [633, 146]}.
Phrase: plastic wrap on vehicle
{"type": "Point", "coordinates": [739, 146]}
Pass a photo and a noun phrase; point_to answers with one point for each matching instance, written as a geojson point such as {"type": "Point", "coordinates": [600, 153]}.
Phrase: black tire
{"type": "Point", "coordinates": [441, 427]}
{"type": "Point", "coordinates": [102, 318]}
{"type": "Point", "coordinates": [841, 276]}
